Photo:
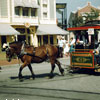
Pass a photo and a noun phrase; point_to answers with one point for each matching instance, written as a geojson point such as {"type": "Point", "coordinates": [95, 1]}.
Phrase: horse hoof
{"type": "Point", "coordinates": [62, 72]}
{"type": "Point", "coordinates": [33, 77]}
{"type": "Point", "coordinates": [51, 76]}
{"type": "Point", "coordinates": [21, 80]}
{"type": "Point", "coordinates": [20, 77]}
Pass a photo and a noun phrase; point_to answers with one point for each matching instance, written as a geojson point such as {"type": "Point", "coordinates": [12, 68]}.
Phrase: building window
{"type": "Point", "coordinates": [29, 40]}
{"type": "Point", "coordinates": [21, 30]}
{"type": "Point", "coordinates": [17, 11]}
{"type": "Point", "coordinates": [4, 8]}
{"type": "Point", "coordinates": [21, 37]}
{"type": "Point", "coordinates": [3, 40]}
{"type": "Point", "coordinates": [45, 39]}
{"type": "Point", "coordinates": [28, 31]}
{"type": "Point", "coordinates": [51, 39]}
{"type": "Point", "coordinates": [25, 11]}
{"type": "Point", "coordinates": [45, 8]}
{"type": "Point", "coordinates": [44, 15]}
{"type": "Point", "coordinates": [33, 11]}
{"type": "Point", "coordinates": [44, 5]}
{"type": "Point", "coordinates": [39, 40]}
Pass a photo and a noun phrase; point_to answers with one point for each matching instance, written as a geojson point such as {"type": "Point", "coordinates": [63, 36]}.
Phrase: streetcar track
{"type": "Point", "coordinates": [38, 95]}
{"type": "Point", "coordinates": [43, 92]}
{"type": "Point", "coordinates": [49, 89]}
{"type": "Point", "coordinates": [70, 77]}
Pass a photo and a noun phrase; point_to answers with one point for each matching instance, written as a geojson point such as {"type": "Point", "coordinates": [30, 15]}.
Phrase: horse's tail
{"type": "Point", "coordinates": [60, 52]}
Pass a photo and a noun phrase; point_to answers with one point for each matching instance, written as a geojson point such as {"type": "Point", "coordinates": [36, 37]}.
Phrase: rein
{"type": "Point", "coordinates": [25, 53]}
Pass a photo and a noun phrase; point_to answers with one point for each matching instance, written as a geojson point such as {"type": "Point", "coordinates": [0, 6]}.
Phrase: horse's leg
{"type": "Point", "coordinates": [52, 67]}
{"type": "Point", "coordinates": [20, 70]}
{"type": "Point", "coordinates": [60, 68]}
{"type": "Point", "coordinates": [52, 70]}
{"type": "Point", "coordinates": [30, 68]}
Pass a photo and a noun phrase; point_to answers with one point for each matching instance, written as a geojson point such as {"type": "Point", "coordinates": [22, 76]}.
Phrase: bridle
{"type": "Point", "coordinates": [9, 54]}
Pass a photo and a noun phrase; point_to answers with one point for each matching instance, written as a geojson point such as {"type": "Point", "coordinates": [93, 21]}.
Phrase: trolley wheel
{"type": "Point", "coordinates": [73, 70]}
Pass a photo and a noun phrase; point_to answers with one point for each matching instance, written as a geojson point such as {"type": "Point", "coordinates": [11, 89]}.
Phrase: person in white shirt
{"type": "Point", "coordinates": [61, 43]}
{"type": "Point", "coordinates": [66, 49]}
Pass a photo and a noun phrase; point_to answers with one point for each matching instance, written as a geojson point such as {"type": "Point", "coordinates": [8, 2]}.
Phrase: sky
{"type": "Point", "coordinates": [72, 5]}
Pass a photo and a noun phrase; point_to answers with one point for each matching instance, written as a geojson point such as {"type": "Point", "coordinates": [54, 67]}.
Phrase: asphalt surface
{"type": "Point", "coordinates": [72, 86]}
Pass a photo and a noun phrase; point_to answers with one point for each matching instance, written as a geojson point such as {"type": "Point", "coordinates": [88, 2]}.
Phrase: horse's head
{"type": "Point", "coordinates": [10, 52]}
{"type": "Point", "coordinates": [13, 49]}
{"type": "Point", "coordinates": [5, 46]}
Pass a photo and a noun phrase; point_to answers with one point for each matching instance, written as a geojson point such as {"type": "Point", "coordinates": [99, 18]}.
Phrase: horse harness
{"type": "Point", "coordinates": [22, 53]}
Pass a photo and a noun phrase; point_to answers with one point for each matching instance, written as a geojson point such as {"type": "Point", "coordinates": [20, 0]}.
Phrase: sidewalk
{"type": "Point", "coordinates": [3, 60]}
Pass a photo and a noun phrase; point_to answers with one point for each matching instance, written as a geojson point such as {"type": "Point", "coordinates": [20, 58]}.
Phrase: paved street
{"type": "Point", "coordinates": [76, 86]}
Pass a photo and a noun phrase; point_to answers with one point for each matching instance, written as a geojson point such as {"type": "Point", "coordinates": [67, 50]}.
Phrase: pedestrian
{"type": "Point", "coordinates": [61, 43]}
{"type": "Point", "coordinates": [97, 55]}
{"type": "Point", "coordinates": [72, 45]}
{"type": "Point", "coordinates": [79, 44]}
{"type": "Point", "coordinates": [66, 49]}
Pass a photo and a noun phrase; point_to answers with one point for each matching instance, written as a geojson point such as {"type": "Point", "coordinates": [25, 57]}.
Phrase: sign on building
{"type": "Point", "coordinates": [91, 31]}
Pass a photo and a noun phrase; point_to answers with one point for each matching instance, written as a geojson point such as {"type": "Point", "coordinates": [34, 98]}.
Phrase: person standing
{"type": "Point", "coordinates": [61, 43]}
{"type": "Point", "coordinates": [66, 49]}
{"type": "Point", "coordinates": [72, 45]}
{"type": "Point", "coordinates": [97, 55]}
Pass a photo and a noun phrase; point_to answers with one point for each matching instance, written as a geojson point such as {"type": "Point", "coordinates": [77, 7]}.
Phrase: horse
{"type": "Point", "coordinates": [30, 54]}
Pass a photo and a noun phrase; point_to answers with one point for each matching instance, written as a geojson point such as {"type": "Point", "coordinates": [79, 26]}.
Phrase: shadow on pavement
{"type": "Point", "coordinates": [86, 71]}
{"type": "Point", "coordinates": [36, 76]}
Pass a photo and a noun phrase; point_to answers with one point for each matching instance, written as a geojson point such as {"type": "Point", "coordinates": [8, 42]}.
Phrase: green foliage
{"type": "Point", "coordinates": [93, 15]}
{"type": "Point", "coordinates": [81, 20]}
{"type": "Point", "coordinates": [78, 21]}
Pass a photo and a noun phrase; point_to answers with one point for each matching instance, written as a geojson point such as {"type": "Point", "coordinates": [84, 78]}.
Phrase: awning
{"type": "Point", "coordinates": [82, 28]}
{"type": "Point", "coordinates": [6, 29]}
{"type": "Point", "coordinates": [34, 5]}
{"type": "Point", "coordinates": [18, 3]}
{"type": "Point", "coordinates": [50, 30]}
{"type": "Point", "coordinates": [25, 3]}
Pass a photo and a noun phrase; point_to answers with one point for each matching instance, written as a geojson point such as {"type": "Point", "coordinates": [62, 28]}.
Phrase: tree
{"type": "Point", "coordinates": [78, 21]}
{"type": "Point", "coordinates": [81, 20]}
{"type": "Point", "coordinates": [93, 15]}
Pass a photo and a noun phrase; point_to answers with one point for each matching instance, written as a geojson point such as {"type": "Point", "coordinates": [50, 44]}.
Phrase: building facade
{"type": "Point", "coordinates": [48, 30]}
{"type": "Point", "coordinates": [27, 17]}
{"type": "Point", "coordinates": [47, 17]}
{"type": "Point", "coordinates": [22, 16]}
{"type": "Point", "coordinates": [81, 12]}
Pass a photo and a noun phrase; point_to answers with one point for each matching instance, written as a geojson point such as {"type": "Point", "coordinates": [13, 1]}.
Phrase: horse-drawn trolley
{"type": "Point", "coordinates": [83, 59]}
{"type": "Point", "coordinates": [84, 56]}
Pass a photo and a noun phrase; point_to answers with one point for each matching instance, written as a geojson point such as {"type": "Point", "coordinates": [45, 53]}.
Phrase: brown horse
{"type": "Point", "coordinates": [34, 55]}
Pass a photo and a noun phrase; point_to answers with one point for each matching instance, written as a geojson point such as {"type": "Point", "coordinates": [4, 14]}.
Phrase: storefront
{"type": "Point", "coordinates": [7, 34]}
{"type": "Point", "coordinates": [47, 34]}
{"type": "Point", "coordinates": [27, 34]}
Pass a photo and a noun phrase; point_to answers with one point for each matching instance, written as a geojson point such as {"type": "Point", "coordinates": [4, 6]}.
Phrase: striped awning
{"type": "Point", "coordinates": [25, 3]}
{"type": "Point", "coordinates": [7, 29]}
{"type": "Point", "coordinates": [50, 29]}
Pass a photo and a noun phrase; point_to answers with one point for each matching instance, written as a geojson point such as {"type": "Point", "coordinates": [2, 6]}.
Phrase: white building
{"type": "Point", "coordinates": [34, 19]}
{"type": "Point", "coordinates": [48, 30]}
